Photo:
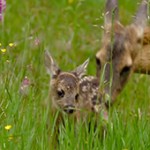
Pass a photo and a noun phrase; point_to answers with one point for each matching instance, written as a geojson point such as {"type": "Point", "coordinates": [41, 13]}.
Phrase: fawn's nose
{"type": "Point", "coordinates": [69, 109]}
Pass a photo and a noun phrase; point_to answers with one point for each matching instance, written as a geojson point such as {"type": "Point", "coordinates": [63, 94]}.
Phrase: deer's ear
{"type": "Point", "coordinates": [141, 17]}
{"type": "Point", "coordinates": [80, 71]}
{"type": "Point", "coordinates": [111, 12]}
{"type": "Point", "coordinates": [50, 65]}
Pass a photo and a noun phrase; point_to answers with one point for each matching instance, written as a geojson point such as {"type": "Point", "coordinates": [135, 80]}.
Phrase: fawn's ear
{"type": "Point", "coordinates": [81, 70]}
{"type": "Point", "coordinates": [50, 65]}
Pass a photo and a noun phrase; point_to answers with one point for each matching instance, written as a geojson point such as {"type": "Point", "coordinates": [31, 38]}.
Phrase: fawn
{"type": "Point", "coordinates": [73, 92]}
{"type": "Point", "coordinates": [121, 49]}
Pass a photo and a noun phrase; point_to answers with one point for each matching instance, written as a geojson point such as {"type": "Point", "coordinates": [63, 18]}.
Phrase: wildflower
{"type": "Point", "coordinates": [37, 42]}
{"type": "Point", "coordinates": [8, 127]}
{"type": "Point", "coordinates": [2, 7]}
{"type": "Point", "coordinates": [70, 1]}
{"type": "Point", "coordinates": [25, 85]}
{"type": "Point", "coordinates": [26, 81]}
{"type": "Point", "coordinates": [11, 44]}
{"type": "Point", "coordinates": [3, 50]}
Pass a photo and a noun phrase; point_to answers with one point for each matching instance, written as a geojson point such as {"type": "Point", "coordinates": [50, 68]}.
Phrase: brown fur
{"type": "Point", "coordinates": [142, 61]}
{"type": "Point", "coordinates": [121, 54]}
{"type": "Point", "coordinates": [120, 50]}
{"type": "Point", "coordinates": [146, 39]}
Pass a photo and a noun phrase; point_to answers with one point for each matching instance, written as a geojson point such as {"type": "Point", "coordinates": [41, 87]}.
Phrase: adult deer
{"type": "Point", "coordinates": [121, 49]}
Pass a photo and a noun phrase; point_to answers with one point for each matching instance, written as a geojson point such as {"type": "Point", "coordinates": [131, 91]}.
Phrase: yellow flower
{"type": "Point", "coordinates": [11, 44]}
{"type": "Point", "coordinates": [0, 44]}
{"type": "Point", "coordinates": [10, 137]}
{"type": "Point", "coordinates": [8, 127]}
{"type": "Point", "coordinates": [3, 50]}
{"type": "Point", "coordinates": [70, 1]}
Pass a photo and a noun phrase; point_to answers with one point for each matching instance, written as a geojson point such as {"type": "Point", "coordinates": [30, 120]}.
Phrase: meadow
{"type": "Point", "coordinates": [71, 31]}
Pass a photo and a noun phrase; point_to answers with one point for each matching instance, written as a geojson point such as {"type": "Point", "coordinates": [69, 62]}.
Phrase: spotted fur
{"type": "Point", "coordinates": [73, 92]}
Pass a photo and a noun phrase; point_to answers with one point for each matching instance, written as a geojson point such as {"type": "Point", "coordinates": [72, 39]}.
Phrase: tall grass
{"type": "Point", "coordinates": [71, 31]}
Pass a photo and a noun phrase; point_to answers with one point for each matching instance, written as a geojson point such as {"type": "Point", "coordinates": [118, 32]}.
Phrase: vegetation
{"type": "Point", "coordinates": [71, 31]}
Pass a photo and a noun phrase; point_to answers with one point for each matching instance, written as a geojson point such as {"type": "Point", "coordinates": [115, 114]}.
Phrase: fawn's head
{"type": "Point", "coordinates": [120, 46]}
{"type": "Point", "coordinates": [64, 86]}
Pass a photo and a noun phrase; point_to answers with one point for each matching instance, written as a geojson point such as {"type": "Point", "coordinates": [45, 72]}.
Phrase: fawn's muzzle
{"type": "Point", "coordinates": [69, 109]}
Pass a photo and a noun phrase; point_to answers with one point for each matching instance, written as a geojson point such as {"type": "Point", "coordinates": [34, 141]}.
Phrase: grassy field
{"type": "Point", "coordinates": [70, 30]}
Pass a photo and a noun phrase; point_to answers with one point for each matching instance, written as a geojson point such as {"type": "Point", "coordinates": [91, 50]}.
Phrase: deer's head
{"type": "Point", "coordinates": [64, 86]}
{"type": "Point", "coordinates": [120, 46]}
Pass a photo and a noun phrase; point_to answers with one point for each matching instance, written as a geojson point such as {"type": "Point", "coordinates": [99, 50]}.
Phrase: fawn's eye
{"type": "Point", "coordinates": [76, 97]}
{"type": "Point", "coordinates": [60, 93]}
{"type": "Point", "coordinates": [125, 71]}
